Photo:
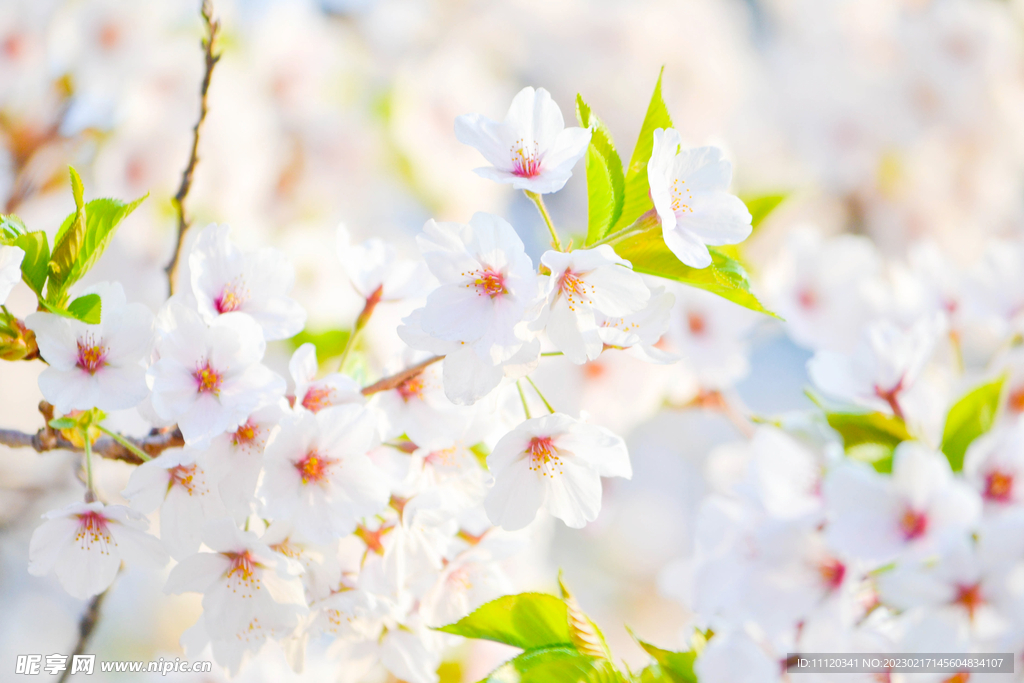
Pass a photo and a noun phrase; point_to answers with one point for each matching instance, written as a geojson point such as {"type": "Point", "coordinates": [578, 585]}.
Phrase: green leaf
{"type": "Point", "coordinates": [605, 179]}
{"type": "Point", "coordinates": [83, 237]}
{"type": "Point", "coordinates": [969, 418]}
{"type": "Point", "coordinates": [63, 423]}
{"type": "Point", "coordinates": [11, 227]}
{"type": "Point", "coordinates": [527, 621]}
{"type": "Point", "coordinates": [37, 256]}
{"type": "Point", "coordinates": [637, 198]}
{"type": "Point", "coordinates": [103, 217]}
{"type": "Point", "coordinates": [86, 308]}
{"type": "Point", "coordinates": [676, 667]}
{"type": "Point", "coordinates": [600, 196]}
{"type": "Point", "coordinates": [586, 635]}
{"type": "Point", "coordinates": [68, 242]}
{"type": "Point", "coordinates": [725, 276]}
{"type": "Point", "coordinates": [761, 206]}
{"type": "Point", "coordinates": [561, 664]}
{"type": "Point", "coordinates": [328, 343]}
{"type": "Point", "coordinates": [869, 437]}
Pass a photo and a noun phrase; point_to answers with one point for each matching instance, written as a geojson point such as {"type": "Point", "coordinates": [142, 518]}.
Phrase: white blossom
{"type": "Point", "coordinates": [225, 280]}
{"type": "Point", "coordinates": [10, 269]}
{"type": "Point", "coordinates": [583, 284]}
{"type": "Point", "coordinates": [95, 366]}
{"type": "Point", "coordinates": [690, 193]}
{"type": "Point", "coordinates": [554, 462]}
{"type": "Point", "coordinates": [209, 378]}
{"type": "Point", "coordinates": [318, 475]}
{"type": "Point", "coordinates": [84, 544]}
{"type": "Point", "coordinates": [531, 149]}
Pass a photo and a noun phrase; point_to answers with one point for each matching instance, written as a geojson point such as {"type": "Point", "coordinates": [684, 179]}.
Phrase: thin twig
{"type": "Point", "coordinates": [209, 40]}
{"type": "Point", "coordinates": [85, 629]}
{"type": "Point", "coordinates": [47, 439]}
{"type": "Point", "coordinates": [400, 377]}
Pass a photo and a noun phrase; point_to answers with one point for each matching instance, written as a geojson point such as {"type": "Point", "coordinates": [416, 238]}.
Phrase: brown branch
{"type": "Point", "coordinates": [400, 377]}
{"type": "Point", "coordinates": [85, 628]}
{"type": "Point", "coordinates": [209, 40]}
{"type": "Point", "coordinates": [47, 439]}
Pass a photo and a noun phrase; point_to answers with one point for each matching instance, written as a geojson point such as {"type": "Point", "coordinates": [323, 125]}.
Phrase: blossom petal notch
{"type": "Point", "coordinates": [531, 149]}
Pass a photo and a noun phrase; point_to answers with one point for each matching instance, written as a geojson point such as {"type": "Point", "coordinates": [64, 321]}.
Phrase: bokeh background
{"type": "Point", "coordinates": [896, 120]}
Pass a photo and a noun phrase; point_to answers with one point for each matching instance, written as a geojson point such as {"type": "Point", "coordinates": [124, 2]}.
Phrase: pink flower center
{"type": "Point", "coordinates": [245, 434]}
{"type": "Point", "coordinates": [231, 298]}
{"type": "Point", "coordinates": [317, 398]}
{"type": "Point", "coordinates": [207, 379]}
{"type": "Point", "coordinates": [807, 298]}
{"type": "Point", "coordinates": [184, 476]}
{"type": "Point", "coordinates": [970, 598]}
{"type": "Point", "coordinates": [410, 388]}
{"type": "Point", "coordinates": [92, 526]}
{"type": "Point", "coordinates": [488, 282]}
{"type": "Point", "coordinates": [544, 456]}
{"type": "Point", "coordinates": [998, 486]}
{"type": "Point", "coordinates": [313, 467]}
{"type": "Point", "coordinates": [696, 323]}
{"type": "Point", "coordinates": [913, 524]}
{"type": "Point", "coordinates": [680, 196]}
{"type": "Point", "coordinates": [241, 575]}
{"type": "Point", "coordinates": [832, 572]}
{"type": "Point", "coordinates": [575, 288]}
{"type": "Point", "coordinates": [525, 162]}
{"type": "Point", "coordinates": [1016, 400]}
{"type": "Point", "coordinates": [91, 354]}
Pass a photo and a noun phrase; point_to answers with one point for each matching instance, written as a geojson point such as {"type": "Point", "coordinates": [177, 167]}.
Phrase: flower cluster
{"type": "Point", "coordinates": [366, 514]}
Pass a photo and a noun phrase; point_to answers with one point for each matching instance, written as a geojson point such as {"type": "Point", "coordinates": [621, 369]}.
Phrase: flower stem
{"type": "Point", "coordinates": [539, 201]}
{"type": "Point", "coordinates": [552, 353]}
{"type": "Point", "coordinates": [125, 442]}
{"type": "Point", "coordinates": [364, 317]}
{"type": "Point", "coordinates": [646, 221]}
{"type": "Point", "coordinates": [522, 397]}
{"type": "Point", "coordinates": [90, 492]}
{"type": "Point", "coordinates": [546, 404]}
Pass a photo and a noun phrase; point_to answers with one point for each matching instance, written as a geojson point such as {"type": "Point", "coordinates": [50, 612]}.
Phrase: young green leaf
{"type": "Point", "coordinates": [600, 196]}
{"type": "Point", "coordinates": [37, 256]}
{"type": "Point", "coordinates": [63, 423]}
{"type": "Point", "coordinates": [673, 667]}
{"type": "Point", "coordinates": [869, 437]}
{"type": "Point", "coordinates": [11, 227]}
{"type": "Point", "coordinates": [103, 217]}
{"type": "Point", "coordinates": [67, 243]}
{"type": "Point", "coordinates": [761, 206]}
{"type": "Point", "coordinates": [969, 418]}
{"type": "Point", "coordinates": [725, 276]}
{"type": "Point", "coordinates": [527, 621]}
{"type": "Point", "coordinates": [86, 308]}
{"type": "Point", "coordinates": [637, 193]}
{"type": "Point", "coordinates": [329, 343]}
{"type": "Point", "coordinates": [548, 665]}
{"type": "Point", "coordinates": [586, 635]}
{"type": "Point", "coordinates": [605, 179]}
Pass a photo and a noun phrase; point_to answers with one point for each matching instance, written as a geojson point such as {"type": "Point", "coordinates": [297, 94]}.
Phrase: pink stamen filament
{"type": "Point", "coordinates": [525, 162]}
{"type": "Point", "coordinates": [91, 355]}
